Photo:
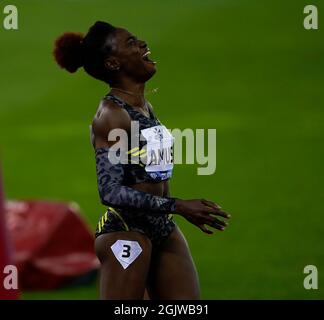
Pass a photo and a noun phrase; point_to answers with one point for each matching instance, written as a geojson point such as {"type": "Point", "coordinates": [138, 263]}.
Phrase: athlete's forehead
{"type": "Point", "coordinates": [123, 34]}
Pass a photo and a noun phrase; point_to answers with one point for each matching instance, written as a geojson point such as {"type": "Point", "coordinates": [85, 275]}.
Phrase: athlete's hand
{"type": "Point", "coordinates": [201, 212]}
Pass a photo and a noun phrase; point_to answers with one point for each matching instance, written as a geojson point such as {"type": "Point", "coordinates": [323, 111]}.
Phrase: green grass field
{"type": "Point", "coordinates": [245, 67]}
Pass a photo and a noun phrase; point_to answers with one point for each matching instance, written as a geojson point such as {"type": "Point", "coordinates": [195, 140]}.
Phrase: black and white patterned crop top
{"type": "Point", "coordinates": [152, 159]}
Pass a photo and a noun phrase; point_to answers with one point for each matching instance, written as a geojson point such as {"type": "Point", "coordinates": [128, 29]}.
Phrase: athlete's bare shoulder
{"type": "Point", "coordinates": [109, 116]}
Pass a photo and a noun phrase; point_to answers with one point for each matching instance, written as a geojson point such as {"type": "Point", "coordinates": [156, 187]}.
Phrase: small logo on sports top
{"type": "Point", "coordinates": [126, 251]}
{"type": "Point", "coordinates": [158, 133]}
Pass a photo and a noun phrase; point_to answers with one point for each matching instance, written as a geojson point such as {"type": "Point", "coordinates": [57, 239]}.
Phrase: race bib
{"type": "Point", "coordinates": [126, 252]}
{"type": "Point", "coordinates": [159, 152]}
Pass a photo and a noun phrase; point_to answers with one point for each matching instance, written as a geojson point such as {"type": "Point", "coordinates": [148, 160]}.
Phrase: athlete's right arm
{"type": "Point", "coordinates": [110, 179]}
{"type": "Point", "coordinates": [110, 175]}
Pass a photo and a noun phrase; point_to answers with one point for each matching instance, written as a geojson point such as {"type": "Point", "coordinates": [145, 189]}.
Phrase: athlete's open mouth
{"type": "Point", "coordinates": [146, 58]}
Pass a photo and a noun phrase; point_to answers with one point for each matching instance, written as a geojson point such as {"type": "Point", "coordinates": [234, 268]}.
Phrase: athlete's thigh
{"type": "Point", "coordinates": [173, 274]}
{"type": "Point", "coordinates": [118, 281]}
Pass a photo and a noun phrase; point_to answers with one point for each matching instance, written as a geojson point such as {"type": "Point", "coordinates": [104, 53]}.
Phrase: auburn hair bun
{"type": "Point", "coordinates": [68, 51]}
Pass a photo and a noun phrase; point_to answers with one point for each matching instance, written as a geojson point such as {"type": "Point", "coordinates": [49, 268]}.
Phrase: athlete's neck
{"type": "Point", "coordinates": [131, 92]}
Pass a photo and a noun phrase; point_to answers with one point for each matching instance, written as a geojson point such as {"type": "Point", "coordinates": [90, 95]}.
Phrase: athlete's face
{"type": "Point", "coordinates": [130, 57]}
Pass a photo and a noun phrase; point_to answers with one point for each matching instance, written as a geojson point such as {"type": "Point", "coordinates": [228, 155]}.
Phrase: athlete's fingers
{"type": "Point", "coordinates": [215, 225]}
{"type": "Point", "coordinates": [210, 204]}
{"type": "Point", "coordinates": [217, 212]}
{"type": "Point", "coordinates": [204, 229]}
{"type": "Point", "coordinates": [208, 209]}
{"type": "Point", "coordinates": [221, 222]}
{"type": "Point", "coordinates": [216, 208]}
{"type": "Point", "coordinates": [214, 220]}
{"type": "Point", "coordinates": [222, 214]}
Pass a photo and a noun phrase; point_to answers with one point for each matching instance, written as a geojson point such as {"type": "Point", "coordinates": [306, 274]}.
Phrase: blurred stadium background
{"type": "Point", "coordinates": [245, 67]}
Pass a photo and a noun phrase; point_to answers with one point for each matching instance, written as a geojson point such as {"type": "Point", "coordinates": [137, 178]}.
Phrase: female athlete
{"type": "Point", "coordinates": [140, 247]}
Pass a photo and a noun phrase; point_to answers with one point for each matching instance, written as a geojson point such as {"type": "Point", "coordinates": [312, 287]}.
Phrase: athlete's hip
{"type": "Point", "coordinates": [156, 226]}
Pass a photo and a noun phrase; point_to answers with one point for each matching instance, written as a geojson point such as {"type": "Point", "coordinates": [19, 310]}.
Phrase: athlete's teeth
{"type": "Point", "coordinates": [146, 53]}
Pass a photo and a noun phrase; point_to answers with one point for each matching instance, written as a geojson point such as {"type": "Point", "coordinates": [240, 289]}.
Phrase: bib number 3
{"type": "Point", "coordinates": [126, 252]}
